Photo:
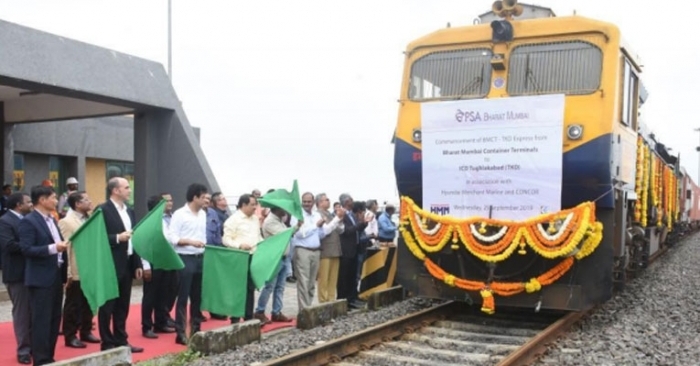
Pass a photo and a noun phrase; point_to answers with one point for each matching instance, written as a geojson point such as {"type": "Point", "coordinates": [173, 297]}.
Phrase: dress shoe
{"type": "Point", "coordinates": [24, 359]}
{"type": "Point", "coordinates": [135, 349]}
{"type": "Point", "coordinates": [181, 339]}
{"type": "Point", "coordinates": [280, 318]}
{"type": "Point", "coordinates": [75, 343]}
{"type": "Point", "coordinates": [164, 330]}
{"type": "Point", "coordinates": [89, 338]}
{"type": "Point", "coordinates": [149, 334]}
{"type": "Point", "coordinates": [218, 317]}
{"type": "Point", "coordinates": [263, 319]}
{"type": "Point", "coordinates": [170, 323]}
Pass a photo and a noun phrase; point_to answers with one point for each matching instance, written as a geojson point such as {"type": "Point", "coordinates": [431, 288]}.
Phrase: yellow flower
{"type": "Point", "coordinates": [533, 285]}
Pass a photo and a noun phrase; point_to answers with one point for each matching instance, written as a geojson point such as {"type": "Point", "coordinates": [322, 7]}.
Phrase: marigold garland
{"type": "Point", "coordinates": [639, 176]}
{"type": "Point", "coordinates": [570, 227]}
{"type": "Point", "coordinates": [645, 187]}
{"type": "Point", "coordinates": [659, 193]}
{"type": "Point", "coordinates": [576, 235]}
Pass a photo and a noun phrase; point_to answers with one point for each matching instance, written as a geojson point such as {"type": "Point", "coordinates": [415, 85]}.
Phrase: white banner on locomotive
{"type": "Point", "coordinates": [499, 156]}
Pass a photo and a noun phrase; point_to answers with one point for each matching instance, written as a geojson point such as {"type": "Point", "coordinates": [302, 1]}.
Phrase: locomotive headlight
{"type": "Point", "coordinates": [574, 132]}
{"type": "Point", "coordinates": [417, 135]}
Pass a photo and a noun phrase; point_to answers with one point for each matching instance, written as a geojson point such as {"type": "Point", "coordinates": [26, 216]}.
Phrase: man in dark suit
{"type": "Point", "coordinates": [45, 273]}
{"type": "Point", "coordinates": [19, 205]}
{"type": "Point", "coordinates": [119, 220]}
{"type": "Point", "coordinates": [349, 242]}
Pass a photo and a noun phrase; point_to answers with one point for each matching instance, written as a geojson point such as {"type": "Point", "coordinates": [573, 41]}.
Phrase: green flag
{"type": "Point", "coordinates": [150, 242]}
{"type": "Point", "coordinates": [267, 257]}
{"type": "Point", "coordinates": [290, 202]}
{"type": "Point", "coordinates": [98, 278]}
{"type": "Point", "coordinates": [224, 281]}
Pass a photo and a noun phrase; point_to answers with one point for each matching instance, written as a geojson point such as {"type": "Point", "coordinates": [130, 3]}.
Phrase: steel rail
{"type": "Point", "coordinates": [337, 349]}
{"type": "Point", "coordinates": [533, 349]}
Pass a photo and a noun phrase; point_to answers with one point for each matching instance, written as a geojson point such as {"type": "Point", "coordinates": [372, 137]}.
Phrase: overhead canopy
{"type": "Point", "coordinates": [46, 77]}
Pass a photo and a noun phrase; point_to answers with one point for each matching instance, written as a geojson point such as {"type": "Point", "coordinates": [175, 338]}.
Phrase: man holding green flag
{"type": "Point", "coordinates": [188, 232]}
{"type": "Point", "coordinates": [157, 256]}
{"type": "Point", "coordinates": [242, 231]}
{"type": "Point", "coordinates": [77, 314]}
{"type": "Point", "coordinates": [268, 257]}
{"type": "Point", "coordinates": [288, 201]}
{"type": "Point", "coordinates": [150, 243]}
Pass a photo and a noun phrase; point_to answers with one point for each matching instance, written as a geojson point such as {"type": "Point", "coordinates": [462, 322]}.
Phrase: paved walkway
{"type": "Point", "coordinates": [290, 308]}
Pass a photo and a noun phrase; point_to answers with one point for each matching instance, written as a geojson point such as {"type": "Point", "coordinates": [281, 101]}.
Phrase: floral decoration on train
{"type": "Point", "coordinates": [570, 234]}
{"type": "Point", "coordinates": [641, 206]}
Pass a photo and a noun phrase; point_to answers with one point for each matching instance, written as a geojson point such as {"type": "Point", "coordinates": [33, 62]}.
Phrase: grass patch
{"type": "Point", "coordinates": [174, 359]}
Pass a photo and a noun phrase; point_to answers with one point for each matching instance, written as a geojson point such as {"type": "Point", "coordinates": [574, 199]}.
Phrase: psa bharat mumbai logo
{"type": "Point", "coordinates": [440, 209]}
{"type": "Point", "coordinates": [467, 116]}
{"type": "Point", "coordinates": [472, 116]}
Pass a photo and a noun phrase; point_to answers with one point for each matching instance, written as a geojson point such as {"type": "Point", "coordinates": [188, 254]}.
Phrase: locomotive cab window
{"type": "Point", "coordinates": [461, 74]}
{"type": "Point", "coordinates": [630, 90]}
{"type": "Point", "coordinates": [571, 67]}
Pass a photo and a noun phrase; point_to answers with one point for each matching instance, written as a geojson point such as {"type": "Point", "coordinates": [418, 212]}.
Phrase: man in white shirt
{"type": "Point", "coordinates": [307, 250]}
{"type": "Point", "coordinates": [242, 231]}
{"type": "Point", "coordinates": [188, 233]}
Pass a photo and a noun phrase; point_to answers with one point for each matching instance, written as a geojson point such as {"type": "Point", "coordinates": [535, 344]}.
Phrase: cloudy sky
{"type": "Point", "coordinates": [307, 89]}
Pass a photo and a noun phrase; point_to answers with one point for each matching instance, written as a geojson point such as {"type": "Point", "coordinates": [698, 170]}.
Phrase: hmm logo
{"type": "Point", "coordinates": [440, 209]}
{"type": "Point", "coordinates": [467, 116]}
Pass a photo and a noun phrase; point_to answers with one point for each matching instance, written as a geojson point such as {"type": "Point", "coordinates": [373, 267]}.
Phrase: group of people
{"type": "Point", "coordinates": [38, 263]}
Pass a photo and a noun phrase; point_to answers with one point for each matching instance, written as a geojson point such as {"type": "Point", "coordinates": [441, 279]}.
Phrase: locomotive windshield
{"type": "Point", "coordinates": [548, 68]}
{"type": "Point", "coordinates": [572, 67]}
{"type": "Point", "coordinates": [463, 74]}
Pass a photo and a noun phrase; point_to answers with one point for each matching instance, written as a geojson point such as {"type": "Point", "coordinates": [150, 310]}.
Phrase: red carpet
{"type": "Point", "coordinates": [152, 347]}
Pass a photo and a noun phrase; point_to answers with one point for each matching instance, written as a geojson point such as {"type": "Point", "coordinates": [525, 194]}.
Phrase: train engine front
{"type": "Point", "coordinates": [515, 155]}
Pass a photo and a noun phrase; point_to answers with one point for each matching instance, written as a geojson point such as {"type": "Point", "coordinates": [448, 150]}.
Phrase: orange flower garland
{"type": "Point", "coordinates": [645, 188]}
{"type": "Point", "coordinates": [575, 235]}
{"type": "Point", "coordinates": [639, 176]}
{"type": "Point", "coordinates": [565, 230]}
{"type": "Point", "coordinates": [659, 189]}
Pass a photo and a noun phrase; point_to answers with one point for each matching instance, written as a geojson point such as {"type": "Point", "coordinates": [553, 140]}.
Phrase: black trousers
{"type": "Point", "coordinates": [46, 319]}
{"type": "Point", "coordinates": [347, 279]}
{"type": "Point", "coordinates": [171, 281]}
{"type": "Point", "coordinates": [249, 297]}
{"type": "Point", "coordinates": [76, 312]}
{"type": "Point", "coordinates": [112, 316]}
{"type": "Point", "coordinates": [156, 294]}
{"type": "Point", "coordinates": [190, 279]}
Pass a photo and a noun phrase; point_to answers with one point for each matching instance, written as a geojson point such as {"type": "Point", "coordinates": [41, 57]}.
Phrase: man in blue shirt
{"type": "Point", "coordinates": [387, 228]}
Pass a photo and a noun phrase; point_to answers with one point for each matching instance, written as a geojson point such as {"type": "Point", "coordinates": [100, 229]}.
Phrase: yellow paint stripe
{"type": "Point", "coordinates": [390, 277]}
{"type": "Point", "coordinates": [374, 263]}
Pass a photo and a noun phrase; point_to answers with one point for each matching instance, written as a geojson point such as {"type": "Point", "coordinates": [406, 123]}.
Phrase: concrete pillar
{"type": "Point", "coordinates": [167, 158]}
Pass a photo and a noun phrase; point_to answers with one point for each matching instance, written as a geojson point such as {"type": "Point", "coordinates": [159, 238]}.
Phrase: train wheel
{"type": "Point", "coordinates": [638, 254]}
{"type": "Point", "coordinates": [620, 273]}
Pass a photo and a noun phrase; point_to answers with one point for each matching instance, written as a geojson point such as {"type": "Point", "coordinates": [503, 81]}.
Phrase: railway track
{"type": "Point", "coordinates": [449, 334]}
{"type": "Point", "coordinates": [452, 333]}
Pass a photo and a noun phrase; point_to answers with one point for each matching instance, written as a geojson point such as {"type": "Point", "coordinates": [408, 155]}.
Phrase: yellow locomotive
{"type": "Point", "coordinates": [525, 172]}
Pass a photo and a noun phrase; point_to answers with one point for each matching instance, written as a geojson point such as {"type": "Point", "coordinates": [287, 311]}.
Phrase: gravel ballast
{"type": "Point", "coordinates": [654, 321]}
{"type": "Point", "coordinates": [296, 339]}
